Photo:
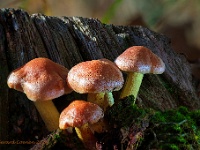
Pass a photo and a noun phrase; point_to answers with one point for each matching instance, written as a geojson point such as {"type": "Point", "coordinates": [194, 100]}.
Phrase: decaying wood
{"type": "Point", "coordinates": [61, 137]}
{"type": "Point", "coordinates": [70, 40]}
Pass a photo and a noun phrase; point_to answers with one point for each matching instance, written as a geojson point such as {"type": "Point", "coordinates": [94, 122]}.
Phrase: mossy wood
{"type": "Point", "coordinates": [70, 40]}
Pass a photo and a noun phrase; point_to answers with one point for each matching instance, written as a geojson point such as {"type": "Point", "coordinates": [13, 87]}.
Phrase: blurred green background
{"type": "Point", "coordinates": [177, 19]}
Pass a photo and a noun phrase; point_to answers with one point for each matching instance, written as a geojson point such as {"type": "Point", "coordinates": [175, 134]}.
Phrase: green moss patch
{"type": "Point", "coordinates": [145, 129]}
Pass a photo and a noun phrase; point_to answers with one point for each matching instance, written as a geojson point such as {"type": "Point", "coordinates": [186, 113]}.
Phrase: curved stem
{"type": "Point", "coordinates": [86, 136]}
{"type": "Point", "coordinates": [132, 84]}
{"type": "Point", "coordinates": [48, 113]}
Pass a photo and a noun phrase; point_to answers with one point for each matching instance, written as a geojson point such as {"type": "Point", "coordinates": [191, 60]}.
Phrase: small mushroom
{"type": "Point", "coordinates": [137, 61]}
{"type": "Point", "coordinates": [80, 115]}
{"type": "Point", "coordinates": [41, 80]}
{"type": "Point", "coordinates": [96, 77]}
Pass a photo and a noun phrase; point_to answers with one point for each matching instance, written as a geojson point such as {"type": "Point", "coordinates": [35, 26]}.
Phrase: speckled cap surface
{"type": "Point", "coordinates": [78, 113]}
{"type": "Point", "coordinates": [40, 79]}
{"type": "Point", "coordinates": [140, 59]}
{"type": "Point", "coordinates": [95, 76]}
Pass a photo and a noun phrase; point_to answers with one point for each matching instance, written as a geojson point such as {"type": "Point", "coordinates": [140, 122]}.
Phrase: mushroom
{"type": "Point", "coordinates": [41, 80]}
{"type": "Point", "coordinates": [137, 61]}
{"type": "Point", "coordinates": [80, 115]}
{"type": "Point", "coordinates": [96, 77]}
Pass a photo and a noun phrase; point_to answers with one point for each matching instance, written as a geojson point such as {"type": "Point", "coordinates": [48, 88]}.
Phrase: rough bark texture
{"type": "Point", "coordinates": [70, 40]}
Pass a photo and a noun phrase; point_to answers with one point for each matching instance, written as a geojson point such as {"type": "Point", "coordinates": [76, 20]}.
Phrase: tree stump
{"type": "Point", "coordinates": [68, 41]}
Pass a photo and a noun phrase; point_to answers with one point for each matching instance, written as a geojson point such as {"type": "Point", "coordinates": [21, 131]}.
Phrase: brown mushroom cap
{"type": "Point", "coordinates": [40, 79]}
{"type": "Point", "coordinates": [78, 113]}
{"type": "Point", "coordinates": [140, 59]}
{"type": "Point", "coordinates": [95, 76]}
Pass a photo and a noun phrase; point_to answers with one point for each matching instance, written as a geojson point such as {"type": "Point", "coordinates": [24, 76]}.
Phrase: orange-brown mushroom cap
{"type": "Point", "coordinates": [40, 79]}
{"type": "Point", "coordinates": [95, 76]}
{"type": "Point", "coordinates": [78, 113]}
{"type": "Point", "coordinates": [140, 59]}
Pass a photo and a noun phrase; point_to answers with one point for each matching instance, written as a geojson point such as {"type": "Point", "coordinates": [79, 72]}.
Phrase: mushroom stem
{"type": "Point", "coordinates": [86, 136]}
{"type": "Point", "coordinates": [103, 99]}
{"type": "Point", "coordinates": [48, 113]}
{"type": "Point", "coordinates": [108, 99]}
{"type": "Point", "coordinates": [96, 98]}
{"type": "Point", "coordinates": [132, 85]}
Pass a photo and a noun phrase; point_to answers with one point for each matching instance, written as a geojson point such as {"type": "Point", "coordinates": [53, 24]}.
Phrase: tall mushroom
{"type": "Point", "coordinates": [81, 114]}
{"type": "Point", "coordinates": [41, 80]}
{"type": "Point", "coordinates": [137, 61]}
{"type": "Point", "coordinates": [96, 77]}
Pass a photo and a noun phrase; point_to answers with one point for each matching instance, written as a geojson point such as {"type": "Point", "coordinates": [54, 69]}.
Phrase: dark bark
{"type": "Point", "coordinates": [3, 88]}
{"type": "Point", "coordinates": [70, 40]}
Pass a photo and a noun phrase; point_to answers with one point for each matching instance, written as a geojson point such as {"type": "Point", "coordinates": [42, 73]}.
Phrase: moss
{"type": "Point", "coordinates": [169, 130]}
{"type": "Point", "coordinates": [175, 129]}
{"type": "Point", "coordinates": [123, 112]}
{"type": "Point", "coordinates": [140, 129]}
{"type": "Point", "coordinates": [170, 146]}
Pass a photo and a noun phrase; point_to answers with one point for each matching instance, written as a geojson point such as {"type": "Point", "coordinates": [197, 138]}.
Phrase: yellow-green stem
{"type": "Point", "coordinates": [86, 136]}
{"type": "Point", "coordinates": [48, 113]}
{"type": "Point", "coordinates": [108, 100]}
{"type": "Point", "coordinates": [103, 100]}
{"type": "Point", "coordinates": [132, 84]}
{"type": "Point", "coordinates": [96, 98]}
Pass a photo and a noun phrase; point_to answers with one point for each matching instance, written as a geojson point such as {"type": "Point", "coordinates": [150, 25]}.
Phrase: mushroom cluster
{"type": "Point", "coordinates": [43, 80]}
